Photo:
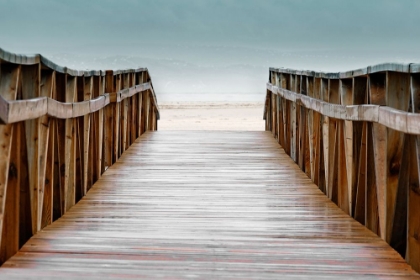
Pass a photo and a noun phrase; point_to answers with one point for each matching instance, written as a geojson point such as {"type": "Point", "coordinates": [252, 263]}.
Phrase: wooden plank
{"type": "Point", "coordinates": [333, 97]}
{"type": "Point", "coordinates": [108, 122]}
{"type": "Point", "coordinates": [342, 181]}
{"type": "Point", "coordinates": [279, 127]}
{"type": "Point", "coordinates": [117, 123]}
{"type": "Point", "coordinates": [139, 109]}
{"type": "Point", "coordinates": [25, 209]}
{"type": "Point", "coordinates": [372, 209]}
{"type": "Point", "coordinates": [133, 109]}
{"type": "Point", "coordinates": [377, 86]}
{"type": "Point", "coordinates": [116, 132]}
{"type": "Point", "coordinates": [9, 161]}
{"type": "Point", "coordinates": [11, 196]}
{"type": "Point", "coordinates": [325, 135]}
{"type": "Point", "coordinates": [220, 205]}
{"type": "Point", "coordinates": [152, 109]}
{"type": "Point", "coordinates": [100, 141]}
{"type": "Point", "coordinates": [398, 97]}
{"type": "Point", "coordinates": [360, 96]}
{"type": "Point", "coordinates": [413, 201]}
{"type": "Point", "coordinates": [380, 147]}
{"type": "Point", "coordinates": [59, 194]}
{"type": "Point", "coordinates": [9, 81]}
{"type": "Point", "coordinates": [31, 89]}
{"type": "Point", "coordinates": [87, 169]}
{"type": "Point", "coordinates": [70, 149]}
{"type": "Point", "coordinates": [45, 176]}
{"type": "Point", "coordinates": [51, 178]}
{"type": "Point", "coordinates": [349, 164]}
{"type": "Point", "coordinates": [94, 155]}
{"type": "Point", "coordinates": [124, 126]}
{"type": "Point", "coordinates": [146, 108]}
{"type": "Point", "coordinates": [303, 136]}
{"type": "Point", "coordinates": [273, 113]}
{"type": "Point", "coordinates": [398, 239]}
{"type": "Point", "coordinates": [293, 125]}
{"type": "Point", "coordinates": [360, 201]}
{"type": "Point", "coordinates": [311, 133]}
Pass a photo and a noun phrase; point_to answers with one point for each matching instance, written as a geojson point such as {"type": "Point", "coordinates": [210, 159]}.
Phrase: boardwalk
{"type": "Point", "coordinates": [208, 205]}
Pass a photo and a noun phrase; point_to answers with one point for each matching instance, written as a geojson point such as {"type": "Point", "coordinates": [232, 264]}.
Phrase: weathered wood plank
{"type": "Point", "coordinates": [31, 76]}
{"type": "Point", "coordinates": [87, 169]}
{"type": "Point", "coordinates": [9, 168]}
{"type": "Point", "coordinates": [220, 205]}
{"type": "Point", "coordinates": [11, 196]}
{"type": "Point", "coordinates": [46, 191]}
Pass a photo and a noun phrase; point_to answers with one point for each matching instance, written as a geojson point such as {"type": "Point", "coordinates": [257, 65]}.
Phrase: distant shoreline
{"type": "Point", "coordinates": [209, 105]}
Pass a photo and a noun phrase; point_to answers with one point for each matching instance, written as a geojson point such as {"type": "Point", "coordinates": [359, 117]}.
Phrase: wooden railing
{"type": "Point", "coordinates": [356, 135]}
{"type": "Point", "coordinates": [61, 129]}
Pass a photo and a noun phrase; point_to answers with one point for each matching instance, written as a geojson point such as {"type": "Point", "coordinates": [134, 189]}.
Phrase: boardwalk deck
{"type": "Point", "coordinates": [207, 205]}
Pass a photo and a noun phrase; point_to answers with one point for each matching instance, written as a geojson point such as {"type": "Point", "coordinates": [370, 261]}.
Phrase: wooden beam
{"type": "Point", "coordinates": [9, 164]}
{"type": "Point", "coordinates": [31, 75]}
{"type": "Point", "coordinates": [46, 164]}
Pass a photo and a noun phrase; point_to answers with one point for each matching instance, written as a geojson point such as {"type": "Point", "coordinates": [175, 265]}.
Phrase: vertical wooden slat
{"type": "Point", "coordinates": [413, 203]}
{"type": "Point", "coordinates": [333, 97]}
{"type": "Point", "coordinates": [117, 121]}
{"type": "Point", "coordinates": [359, 96]}
{"type": "Point", "coordinates": [70, 149]}
{"type": "Point", "coordinates": [398, 239]}
{"type": "Point", "coordinates": [346, 163]}
{"type": "Point", "coordinates": [108, 122]}
{"type": "Point", "coordinates": [360, 200]}
{"type": "Point", "coordinates": [9, 168]}
{"type": "Point", "coordinates": [10, 212]}
{"type": "Point", "coordinates": [342, 182]}
{"type": "Point", "coordinates": [146, 110]}
{"type": "Point", "coordinates": [60, 137]}
{"type": "Point", "coordinates": [398, 97]}
{"type": "Point", "coordinates": [124, 118]}
{"type": "Point", "coordinates": [372, 210]}
{"type": "Point", "coordinates": [293, 121]}
{"type": "Point", "coordinates": [87, 170]}
{"type": "Point", "coordinates": [46, 161]}
{"type": "Point", "coordinates": [125, 126]}
{"type": "Point", "coordinates": [140, 108]}
{"type": "Point", "coordinates": [134, 111]}
{"type": "Point", "coordinates": [31, 89]}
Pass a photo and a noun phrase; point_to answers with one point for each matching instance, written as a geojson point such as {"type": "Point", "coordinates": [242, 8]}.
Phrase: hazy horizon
{"type": "Point", "coordinates": [203, 48]}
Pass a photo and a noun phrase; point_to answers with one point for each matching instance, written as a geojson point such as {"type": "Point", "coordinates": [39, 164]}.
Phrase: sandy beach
{"type": "Point", "coordinates": [246, 116]}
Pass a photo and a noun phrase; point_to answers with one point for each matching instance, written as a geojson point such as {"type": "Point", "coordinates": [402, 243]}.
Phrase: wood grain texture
{"type": "Point", "coordinates": [205, 205]}
{"type": "Point", "coordinates": [396, 119]}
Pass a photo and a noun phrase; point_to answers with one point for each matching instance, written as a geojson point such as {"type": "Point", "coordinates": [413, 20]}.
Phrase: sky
{"type": "Point", "coordinates": [213, 49]}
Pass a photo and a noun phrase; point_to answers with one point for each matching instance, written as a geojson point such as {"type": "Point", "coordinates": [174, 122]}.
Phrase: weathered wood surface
{"type": "Point", "coordinates": [55, 126]}
{"type": "Point", "coordinates": [359, 142]}
{"type": "Point", "coordinates": [205, 205]}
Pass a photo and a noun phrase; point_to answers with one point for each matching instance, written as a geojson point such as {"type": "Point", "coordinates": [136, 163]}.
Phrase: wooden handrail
{"type": "Point", "coordinates": [356, 134]}
{"type": "Point", "coordinates": [17, 110]}
{"type": "Point", "coordinates": [60, 130]}
{"type": "Point", "coordinates": [392, 118]}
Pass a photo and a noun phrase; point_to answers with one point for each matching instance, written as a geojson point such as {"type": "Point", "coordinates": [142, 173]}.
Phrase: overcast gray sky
{"type": "Point", "coordinates": [206, 46]}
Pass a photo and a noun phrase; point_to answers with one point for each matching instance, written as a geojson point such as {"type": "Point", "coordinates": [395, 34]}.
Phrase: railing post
{"type": "Point", "coordinates": [108, 120]}
{"type": "Point", "coordinates": [10, 173]}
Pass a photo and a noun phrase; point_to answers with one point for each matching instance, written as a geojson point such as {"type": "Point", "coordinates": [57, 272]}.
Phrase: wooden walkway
{"type": "Point", "coordinates": [205, 205]}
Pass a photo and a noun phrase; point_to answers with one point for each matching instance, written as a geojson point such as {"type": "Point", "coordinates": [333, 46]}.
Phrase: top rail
{"type": "Point", "coordinates": [356, 134]}
{"type": "Point", "coordinates": [16, 110]}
